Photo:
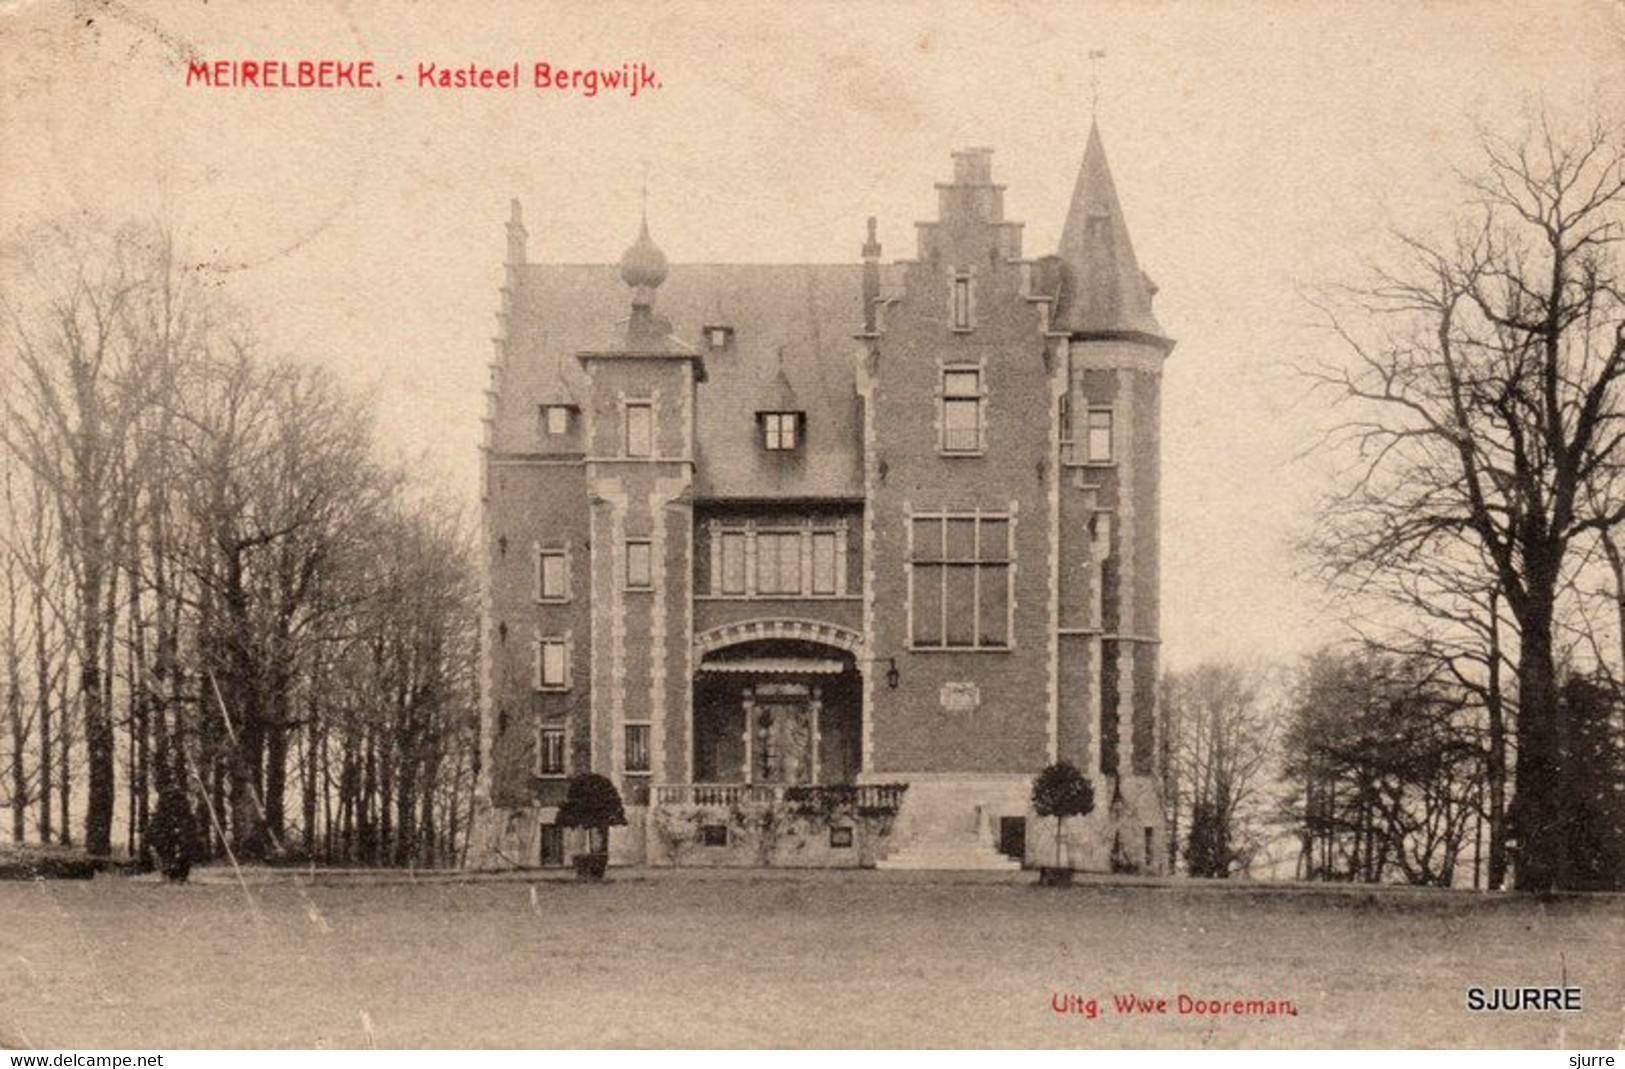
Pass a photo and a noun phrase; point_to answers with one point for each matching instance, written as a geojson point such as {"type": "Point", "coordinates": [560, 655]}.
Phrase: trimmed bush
{"type": "Point", "coordinates": [1061, 791]}
{"type": "Point", "coordinates": [592, 802]}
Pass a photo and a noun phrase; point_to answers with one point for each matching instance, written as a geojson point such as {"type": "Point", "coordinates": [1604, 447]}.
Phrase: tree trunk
{"type": "Point", "coordinates": [64, 780]}
{"type": "Point", "coordinates": [310, 769]}
{"type": "Point", "coordinates": [14, 702]}
{"type": "Point", "coordinates": [42, 690]}
{"type": "Point", "coordinates": [1496, 763]}
{"type": "Point", "coordinates": [98, 724]}
{"type": "Point", "coordinates": [1539, 822]}
{"type": "Point", "coordinates": [276, 776]}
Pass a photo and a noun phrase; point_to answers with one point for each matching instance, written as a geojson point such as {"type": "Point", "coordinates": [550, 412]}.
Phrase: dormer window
{"type": "Point", "coordinates": [556, 419]}
{"type": "Point", "coordinates": [780, 430]}
{"type": "Point", "coordinates": [718, 337]}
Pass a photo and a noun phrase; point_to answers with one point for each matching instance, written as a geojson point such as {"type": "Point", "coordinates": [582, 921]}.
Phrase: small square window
{"type": "Point", "coordinates": [550, 758]}
{"type": "Point", "coordinates": [718, 337]}
{"type": "Point", "coordinates": [637, 566]}
{"type": "Point", "coordinates": [840, 838]}
{"type": "Point", "coordinates": [639, 430]}
{"type": "Point", "coordinates": [556, 418]}
{"type": "Point", "coordinates": [779, 430]}
{"type": "Point", "coordinates": [713, 835]}
{"type": "Point", "coordinates": [637, 747]}
{"type": "Point", "coordinates": [1099, 443]}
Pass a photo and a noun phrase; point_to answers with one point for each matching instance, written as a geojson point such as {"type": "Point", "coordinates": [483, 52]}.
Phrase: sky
{"type": "Point", "coordinates": [1261, 150]}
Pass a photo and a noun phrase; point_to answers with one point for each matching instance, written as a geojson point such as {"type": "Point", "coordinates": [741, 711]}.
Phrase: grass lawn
{"type": "Point", "coordinates": [860, 959]}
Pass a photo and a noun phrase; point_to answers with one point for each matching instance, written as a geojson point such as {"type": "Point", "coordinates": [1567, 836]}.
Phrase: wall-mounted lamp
{"type": "Point", "coordinates": [892, 675]}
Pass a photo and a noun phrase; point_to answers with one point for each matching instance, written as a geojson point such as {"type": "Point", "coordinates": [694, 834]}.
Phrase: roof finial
{"type": "Point", "coordinates": [646, 195]}
{"type": "Point", "coordinates": [643, 266]}
{"type": "Point", "coordinates": [1095, 56]}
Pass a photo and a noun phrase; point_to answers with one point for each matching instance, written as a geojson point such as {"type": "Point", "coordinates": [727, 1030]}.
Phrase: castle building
{"type": "Point", "coordinates": [881, 535]}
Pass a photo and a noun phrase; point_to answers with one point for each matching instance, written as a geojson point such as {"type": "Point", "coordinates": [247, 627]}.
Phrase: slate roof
{"type": "Point", "coordinates": [1105, 290]}
{"type": "Point", "coordinates": [793, 326]}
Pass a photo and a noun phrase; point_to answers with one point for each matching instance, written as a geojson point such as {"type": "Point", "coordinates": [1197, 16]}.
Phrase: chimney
{"type": "Point", "coordinates": [871, 278]}
{"type": "Point", "coordinates": [516, 234]}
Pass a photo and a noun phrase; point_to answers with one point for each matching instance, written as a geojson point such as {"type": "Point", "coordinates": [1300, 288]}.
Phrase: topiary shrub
{"type": "Point", "coordinates": [592, 802]}
{"type": "Point", "coordinates": [171, 832]}
{"type": "Point", "coordinates": [1061, 791]}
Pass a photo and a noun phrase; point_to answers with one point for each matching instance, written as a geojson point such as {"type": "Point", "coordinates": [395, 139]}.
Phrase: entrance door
{"type": "Point", "coordinates": [1013, 837]}
{"type": "Point", "coordinates": [783, 741]}
{"type": "Point", "coordinates": [552, 845]}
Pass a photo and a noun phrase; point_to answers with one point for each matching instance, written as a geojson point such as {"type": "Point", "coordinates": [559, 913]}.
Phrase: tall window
{"type": "Point", "coordinates": [552, 582]}
{"type": "Point", "coordinates": [961, 581]}
{"type": "Point", "coordinates": [779, 430]}
{"type": "Point", "coordinates": [637, 747]}
{"type": "Point", "coordinates": [637, 566]}
{"type": "Point", "coordinates": [550, 752]}
{"type": "Point", "coordinates": [778, 562]}
{"type": "Point", "coordinates": [1099, 443]}
{"type": "Point", "coordinates": [961, 302]}
{"type": "Point", "coordinates": [804, 560]}
{"type": "Point", "coordinates": [962, 410]}
{"type": "Point", "coordinates": [639, 430]}
{"type": "Point", "coordinates": [552, 664]}
{"type": "Point", "coordinates": [823, 562]}
{"type": "Point", "coordinates": [733, 562]}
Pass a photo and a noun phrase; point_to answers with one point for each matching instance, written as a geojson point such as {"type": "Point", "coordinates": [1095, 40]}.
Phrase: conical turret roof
{"type": "Point", "coordinates": [1105, 290]}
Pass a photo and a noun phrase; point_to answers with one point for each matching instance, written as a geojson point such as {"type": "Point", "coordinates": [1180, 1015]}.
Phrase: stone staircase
{"type": "Point", "coordinates": [948, 825]}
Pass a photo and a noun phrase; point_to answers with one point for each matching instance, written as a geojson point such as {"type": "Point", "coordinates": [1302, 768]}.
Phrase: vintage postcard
{"type": "Point", "coordinates": [822, 525]}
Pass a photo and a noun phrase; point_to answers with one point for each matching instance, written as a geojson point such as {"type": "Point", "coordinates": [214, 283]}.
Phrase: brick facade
{"type": "Point", "coordinates": [877, 523]}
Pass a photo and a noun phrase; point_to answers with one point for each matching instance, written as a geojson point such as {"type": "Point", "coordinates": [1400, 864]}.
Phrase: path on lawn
{"type": "Point", "coordinates": [783, 958]}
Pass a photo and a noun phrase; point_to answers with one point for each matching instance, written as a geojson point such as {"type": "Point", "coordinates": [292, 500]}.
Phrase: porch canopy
{"type": "Point", "coordinates": [818, 666]}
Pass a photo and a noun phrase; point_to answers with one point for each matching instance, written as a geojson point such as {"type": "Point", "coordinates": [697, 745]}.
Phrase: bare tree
{"type": "Point", "coordinates": [1446, 610]}
{"type": "Point", "coordinates": [1384, 766]}
{"type": "Point", "coordinates": [1219, 731]}
{"type": "Point", "coordinates": [74, 390]}
{"type": "Point", "coordinates": [1482, 401]}
{"type": "Point", "coordinates": [217, 582]}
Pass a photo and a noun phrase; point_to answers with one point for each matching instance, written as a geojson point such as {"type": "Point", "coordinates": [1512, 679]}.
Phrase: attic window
{"type": "Point", "coordinates": [556, 419]}
{"type": "Point", "coordinates": [780, 430]}
{"type": "Point", "coordinates": [718, 337]}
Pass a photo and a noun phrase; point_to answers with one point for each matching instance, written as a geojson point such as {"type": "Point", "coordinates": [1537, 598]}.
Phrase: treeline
{"type": "Point", "coordinates": [1475, 391]}
{"type": "Point", "coordinates": [1365, 765]}
{"type": "Point", "coordinates": [210, 585]}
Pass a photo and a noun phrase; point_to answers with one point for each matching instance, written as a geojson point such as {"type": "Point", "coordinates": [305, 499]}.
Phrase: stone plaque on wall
{"type": "Point", "coordinates": [961, 697]}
